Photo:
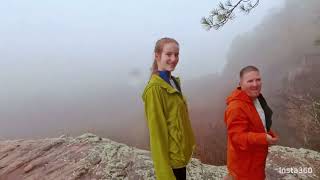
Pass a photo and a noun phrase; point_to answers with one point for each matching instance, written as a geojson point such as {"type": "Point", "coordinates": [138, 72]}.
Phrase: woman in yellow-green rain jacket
{"type": "Point", "coordinates": [171, 137]}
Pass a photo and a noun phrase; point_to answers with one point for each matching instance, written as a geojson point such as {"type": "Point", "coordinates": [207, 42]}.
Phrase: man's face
{"type": "Point", "coordinates": [251, 83]}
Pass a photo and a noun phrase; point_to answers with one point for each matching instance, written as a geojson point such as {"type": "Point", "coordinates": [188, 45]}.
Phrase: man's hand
{"type": "Point", "coordinates": [271, 140]}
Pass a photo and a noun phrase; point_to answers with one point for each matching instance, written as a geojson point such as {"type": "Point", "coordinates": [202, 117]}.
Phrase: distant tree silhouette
{"type": "Point", "coordinates": [317, 42]}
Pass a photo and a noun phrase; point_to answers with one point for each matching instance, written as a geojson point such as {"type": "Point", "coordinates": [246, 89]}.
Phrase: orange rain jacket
{"type": "Point", "coordinates": [247, 146]}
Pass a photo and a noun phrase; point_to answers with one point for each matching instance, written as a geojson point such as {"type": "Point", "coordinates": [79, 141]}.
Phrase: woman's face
{"type": "Point", "coordinates": [169, 57]}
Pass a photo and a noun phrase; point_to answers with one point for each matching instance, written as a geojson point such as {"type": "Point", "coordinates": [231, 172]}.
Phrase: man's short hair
{"type": "Point", "coordinates": [248, 69]}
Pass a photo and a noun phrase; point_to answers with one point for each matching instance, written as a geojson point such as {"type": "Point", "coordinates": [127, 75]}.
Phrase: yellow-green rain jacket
{"type": "Point", "coordinates": [171, 137]}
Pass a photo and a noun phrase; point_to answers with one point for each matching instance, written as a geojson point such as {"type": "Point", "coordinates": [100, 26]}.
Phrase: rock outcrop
{"type": "Point", "coordinates": [91, 157]}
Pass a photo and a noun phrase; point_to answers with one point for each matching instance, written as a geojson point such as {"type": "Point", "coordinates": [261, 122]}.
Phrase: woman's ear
{"type": "Point", "coordinates": [157, 56]}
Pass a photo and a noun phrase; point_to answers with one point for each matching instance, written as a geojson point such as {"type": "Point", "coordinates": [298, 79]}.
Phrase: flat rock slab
{"type": "Point", "coordinates": [91, 157]}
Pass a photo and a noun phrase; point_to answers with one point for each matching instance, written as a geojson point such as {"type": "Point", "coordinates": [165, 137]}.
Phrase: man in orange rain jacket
{"type": "Point", "coordinates": [248, 121]}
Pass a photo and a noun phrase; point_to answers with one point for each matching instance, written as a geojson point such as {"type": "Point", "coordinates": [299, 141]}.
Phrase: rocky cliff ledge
{"type": "Point", "coordinates": [91, 157]}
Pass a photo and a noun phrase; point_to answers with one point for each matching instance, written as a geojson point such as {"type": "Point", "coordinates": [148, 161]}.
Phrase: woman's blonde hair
{"type": "Point", "coordinates": [158, 50]}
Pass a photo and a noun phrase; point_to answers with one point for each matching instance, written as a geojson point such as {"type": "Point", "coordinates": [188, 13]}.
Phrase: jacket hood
{"type": "Point", "coordinates": [240, 95]}
{"type": "Point", "coordinates": [156, 80]}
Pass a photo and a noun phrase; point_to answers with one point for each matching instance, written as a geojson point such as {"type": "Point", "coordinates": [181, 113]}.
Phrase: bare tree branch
{"type": "Point", "coordinates": [225, 12]}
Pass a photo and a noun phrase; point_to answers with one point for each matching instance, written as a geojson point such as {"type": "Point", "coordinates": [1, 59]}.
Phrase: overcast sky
{"type": "Point", "coordinates": [94, 39]}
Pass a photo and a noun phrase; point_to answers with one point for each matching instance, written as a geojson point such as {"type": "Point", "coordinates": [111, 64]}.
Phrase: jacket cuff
{"type": "Point", "coordinates": [271, 133]}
